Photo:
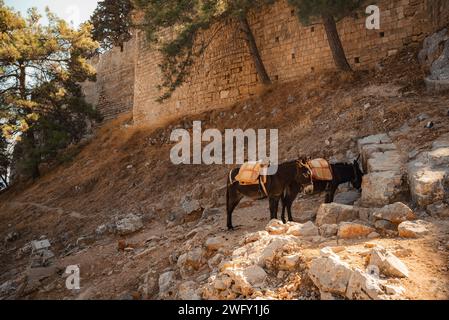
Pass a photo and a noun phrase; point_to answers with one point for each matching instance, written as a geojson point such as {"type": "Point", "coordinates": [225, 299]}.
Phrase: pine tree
{"type": "Point", "coordinates": [188, 18]}
{"type": "Point", "coordinates": [112, 23]}
{"type": "Point", "coordinates": [329, 11]}
{"type": "Point", "coordinates": [40, 71]}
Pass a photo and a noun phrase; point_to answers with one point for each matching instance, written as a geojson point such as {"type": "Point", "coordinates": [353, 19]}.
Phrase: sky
{"type": "Point", "coordinates": [74, 12]}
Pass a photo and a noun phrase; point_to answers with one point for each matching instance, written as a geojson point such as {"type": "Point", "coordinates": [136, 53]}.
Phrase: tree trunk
{"type": "Point", "coordinates": [335, 43]}
{"type": "Point", "coordinates": [22, 81]}
{"type": "Point", "coordinates": [33, 162]}
{"type": "Point", "coordinates": [260, 67]}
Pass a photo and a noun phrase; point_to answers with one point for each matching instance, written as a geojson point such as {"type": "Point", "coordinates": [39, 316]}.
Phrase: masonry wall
{"type": "Point", "coordinates": [226, 73]}
{"type": "Point", "coordinates": [113, 92]}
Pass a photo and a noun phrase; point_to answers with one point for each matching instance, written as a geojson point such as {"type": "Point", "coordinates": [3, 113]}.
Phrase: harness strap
{"type": "Point", "coordinates": [230, 177]}
{"type": "Point", "coordinates": [263, 182]}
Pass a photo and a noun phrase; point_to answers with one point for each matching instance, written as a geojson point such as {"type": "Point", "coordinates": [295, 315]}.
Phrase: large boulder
{"type": "Point", "coordinates": [167, 284]}
{"type": "Point", "coordinates": [435, 58]}
{"type": "Point", "coordinates": [188, 291]}
{"type": "Point", "coordinates": [191, 261]}
{"type": "Point", "coordinates": [413, 229]}
{"type": "Point", "coordinates": [395, 213]}
{"type": "Point", "coordinates": [429, 174]}
{"type": "Point", "coordinates": [246, 279]}
{"type": "Point", "coordinates": [351, 230]}
{"type": "Point", "coordinates": [385, 161]}
{"type": "Point", "coordinates": [307, 229]}
{"type": "Point", "coordinates": [330, 274]}
{"type": "Point", "coordinates": [334, 213]}
{"type": "Point", "coordinates": [276, 227]}
{"type": "Point", "coordinates": [382, 188]}
{"type": "Point", "coordinates": [388, 263]}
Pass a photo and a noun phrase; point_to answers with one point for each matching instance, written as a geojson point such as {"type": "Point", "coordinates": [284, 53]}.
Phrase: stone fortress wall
{"type": "Point", "coordinates": [225, 74]}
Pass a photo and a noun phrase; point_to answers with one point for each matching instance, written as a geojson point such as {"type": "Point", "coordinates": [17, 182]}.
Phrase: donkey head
{"type": "Point", "coordinates": [304, 175]}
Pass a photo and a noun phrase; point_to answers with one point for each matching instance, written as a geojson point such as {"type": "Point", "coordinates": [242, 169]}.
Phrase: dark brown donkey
{"type": "Point", "coordinates": [342, 173]}
{"type": "Point", "coordinates": [287, 174]}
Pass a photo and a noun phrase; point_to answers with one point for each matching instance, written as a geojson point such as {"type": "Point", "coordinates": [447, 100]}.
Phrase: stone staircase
{"type": "Point", "coordinates": [385, 181]}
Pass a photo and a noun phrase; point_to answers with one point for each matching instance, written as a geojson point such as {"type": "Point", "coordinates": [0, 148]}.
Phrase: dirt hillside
{"type": "Point", "coordinates": [125, 170]}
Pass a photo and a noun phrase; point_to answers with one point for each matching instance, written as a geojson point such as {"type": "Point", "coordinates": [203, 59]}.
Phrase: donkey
{"type": "Point", "coordinates": [342, 173]}
{"type": "Point", "coordinates": [287, 174]}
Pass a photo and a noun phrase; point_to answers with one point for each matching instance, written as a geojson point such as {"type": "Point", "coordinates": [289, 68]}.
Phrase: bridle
{"type": "Point", "coordinates": [302, 164]}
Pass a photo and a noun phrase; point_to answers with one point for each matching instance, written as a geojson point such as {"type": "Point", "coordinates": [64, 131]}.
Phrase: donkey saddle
{"type": "Point", "coordinates": [321, 170]}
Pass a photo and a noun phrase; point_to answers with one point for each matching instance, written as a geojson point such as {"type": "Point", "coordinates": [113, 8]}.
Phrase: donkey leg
{"type": "Point", "coordinates": [289, 211]}
{"type": "Point", "coordinates": [330, 194]}
{"type": "Point", "coordinates": [274, 204]}
{"type": "Point", "coordinates": [284, 206]}
{"type": "Point", "coordinates": [232, 200]}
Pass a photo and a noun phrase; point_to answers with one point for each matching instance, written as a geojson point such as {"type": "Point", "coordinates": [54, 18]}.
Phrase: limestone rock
{"type": "Point", "coordinates": [129, 224]}
{"type": "Point", "coordinates": [438, 209]}
{"type": "Point", "coordinates": [395, 213]}
{"type": "Point", "coordinates": [334, 213]}
{"type": "Point", "coordinates": [188, 291]}
{"type": "Point", "coordinates": [363, 286]}
{"type": "Point", "coordinates": [190, 205]}
{"type": "Point", "coordinates": [328, 230]}
{"type": "Point", "coordinates": [190, 261]}
{"type": "Point", "coordinates": [276, 227]}
{"type": "Point", "coordinates": [213, 244]}
{"type": "Point", "coordinates": [388, 263]}
{"type": "Point", "coordinates": [167, 283]}
{"type": "Point", "coordinates": [347, 198]}
{"type": "Point", "coordinates": [382, 188]}
{"type": "Point", "coordinates": [289, 262]}
{"type": "Point", "coordinates": [307, 229]}
{"type": "Point", "coordinates": [413, 229]}
{"type": "Point", "coordinates": [385, 161]}
{"type": "Point", "coordinates": [330, 274]}
{"type": "Point", "coordinates": [246, 279]}
{"type": "Point", "coordinates": [351, 230]}
{"type": "Point", "coordinates": [307, 216]}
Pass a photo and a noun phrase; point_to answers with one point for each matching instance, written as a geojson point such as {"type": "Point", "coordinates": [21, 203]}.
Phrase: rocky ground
{"type": "Point", "coordinates": [140, 227]}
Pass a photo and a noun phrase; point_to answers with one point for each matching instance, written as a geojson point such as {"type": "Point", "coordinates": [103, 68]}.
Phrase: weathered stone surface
{"type": "Point", "coordinates": [306, 216]}
{"type": "Point", "coordinates": [427, 184]}
{"type": "Point", "coordinates": [382, 138]}
{"type": "Point", "coordinates": [188, 291]}
{"type": "Point", "coordinates": [129, 224]}
{"type": "Point", "coordinates": [167, 283]}
{"type": "Point", "coordinates": [276, 227]}
{"type": "Point", "coordinates": [438, 157]}
{"type": "Point", "coordinates": [385, 225]}
{"type": "Point", "coordinates": [307, 229]}
{"type": "Point", "coordinates": [388, 263]}
{"type": "Point", "coordinates": [413, 229]}
{"type": "Point", "coordinates": [347, 198]}
{"type": "Point", "coordinates": [215, 243]}
{"type": "Point", "coordinates": [246, 279]}
{"type": "Point", "coordinates": [382, 188]}
{"type": "Point", "coordinates": [190, 261]}
{"type": "Point", "coordinates": [395, 213]}
{"type": "Point", "coordinates": [328, 230]}
{"type": "Point", "coordinates": [363, 286]}
{"type": "Point", "coordinates": [385, 161]}
{"type": "Point", "coordinates": [438, 209]}
{"type": "Point", "coordinates": [290, 262]}
{"type": "Point", "coordinates": [351, 230]}
{"type": "Point", "coordinates": [190, 205]}
{"type": "Point", "coordinates": [330, 274]}
{"type": "Point", "coordinates": [334, 213]}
